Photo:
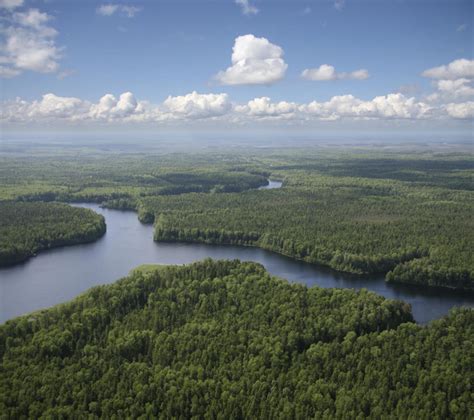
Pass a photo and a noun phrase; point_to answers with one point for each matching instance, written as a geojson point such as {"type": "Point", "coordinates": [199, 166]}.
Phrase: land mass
{"type": "Point", "coordinates": [405, 214]}
{"type": "Point", "coordinates": [28, 228]}
{"type": "Point", "coordinates": [224, 339]}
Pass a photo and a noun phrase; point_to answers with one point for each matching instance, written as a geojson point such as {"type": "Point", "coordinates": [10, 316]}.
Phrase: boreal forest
{"type": "Point", "coordinates": [405, 215]}
{"type": "Point", "coordinates": [27, 228]}
{"type": "Point", "coordinates": [224, 339]}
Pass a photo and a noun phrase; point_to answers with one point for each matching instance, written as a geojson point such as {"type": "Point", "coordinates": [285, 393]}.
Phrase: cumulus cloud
{"type": "Point", "coordinates": [327, 72]}
{"type": "Point", "coordinates": [28, 43]}
{"type": "Point", "coordinates": [254, 61]}
{"type": "Point", "coordinates": [193, 107]}
{"type": "Point", "coordinates": [464, 110]}
{"type": "Point", "coordinates": [246, 7]}
{"type": "Point", "coordinates": [111, 8]}
{"type": "Point", "coordinates": [32, 18]}
{"type": "Point", "coordinates": [111, 108]}
{"type": "Point", "coordinates": [50, 107]}
{"type": "Point", "coordinates": [452, 82]}
{"type": "Point", "coordinates": [455, 88]}
{"type": "Point", "coordinates": [455, 70]}
{"type": "Point", "coordinates": [263, 107]}
{"type": "Point", "coordinates": [392, 106]}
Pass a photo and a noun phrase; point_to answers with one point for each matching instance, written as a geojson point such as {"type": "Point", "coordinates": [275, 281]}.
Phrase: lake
{"type": "Point", "coordinates": [60, 274]}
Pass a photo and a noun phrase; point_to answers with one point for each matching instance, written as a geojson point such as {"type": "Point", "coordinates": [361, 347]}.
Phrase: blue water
{"type": "Point", "coordinates": [60, 274]}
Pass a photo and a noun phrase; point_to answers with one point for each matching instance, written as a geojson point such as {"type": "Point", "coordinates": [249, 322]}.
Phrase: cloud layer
{"type": "Point", "coordinates": [254, 61]}
{"type": "Point", "coordinates": [327, 72]}
{"type": "Point", "coordinates": [194, 106]}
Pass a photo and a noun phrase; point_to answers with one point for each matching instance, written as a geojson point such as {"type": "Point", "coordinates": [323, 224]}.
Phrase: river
{"type": "Point", "coordinates": [60, 274]}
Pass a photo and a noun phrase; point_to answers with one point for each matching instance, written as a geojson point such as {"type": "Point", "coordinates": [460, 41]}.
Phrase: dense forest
{"type": "Point", "coordinates": [406, 214]}
{"type": "Point", "coordinates": [27, 228]}
{"type": "Point", "coordinates": [226, 340]}
{"type": "Point", "coordinates": [359, 225]}
{"type": "Point", "coordinates": [121, 179]}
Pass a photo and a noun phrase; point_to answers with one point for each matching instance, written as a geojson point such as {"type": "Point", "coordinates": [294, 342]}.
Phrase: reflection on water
{"type": "Point", "coordinates": [60, 274]}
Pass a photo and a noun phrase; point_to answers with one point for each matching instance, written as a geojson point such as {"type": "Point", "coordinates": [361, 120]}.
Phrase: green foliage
{"type": "Point", "coordinates": [26, 228]}
{"type": "Point", "coordinates": [226, 340]}
{"type": "Point", "coordinates": [119, 180]}
{"type": "Point", "coordinates": [356, 225]}
{"type": "Point", "coordinates": [406, 213]}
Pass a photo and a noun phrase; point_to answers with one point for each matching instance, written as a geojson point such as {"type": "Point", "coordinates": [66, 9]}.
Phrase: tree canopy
{"type": "Point", "coordinates": [224, 339]}
{"type": "Point", "coordinates": [27, 228]}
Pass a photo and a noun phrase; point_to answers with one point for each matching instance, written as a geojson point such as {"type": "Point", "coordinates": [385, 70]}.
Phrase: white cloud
{"type": "Point", "coordinates": [455, 88]}
{"type": "Point", "coordinates": [126, 109]}
{"type": "Point", "coordinates": [32, 18]}
{"type": "Point", "coordinates": [195, 105]}
{"type": "Point", "coordinates": [254, 61]}
{"type": "Point", "coordinates": [461, 68]}
{"type": "Point", "coordinates": [263, 107]}
{"type": "Point", "coordinates": [392, 106]}
{"type": "Point", "coordinates": [463, 110]}
{"type": "Point", "coordinates": [26, 49]}
{"type": "Point", "coordinates": [28, 43]}
{"type": "Point", "coordinates": [107, 9]}
{"type": "Point", "coordinates": [247, 8]}
{"type": "Point", "coordinates": [110, 9]}
{"type": "Point", "coordinates": [327, 72]}
{"type": "Point", "coordinates": [59, 107]}
{"type": "Point", "coordinates": [10, 4]}
{"type": "Point", "coordinates": [50, 107]}
{"type": "Point", "coordinates": [109, 108]}
{"type": "Point", "coordinates": [462, 27]}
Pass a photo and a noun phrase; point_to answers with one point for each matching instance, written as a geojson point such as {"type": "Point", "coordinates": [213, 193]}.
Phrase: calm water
{"type": "Point", "coordinates": [271, 185]}
{"type": "Point", "coordinates": [60, 274]}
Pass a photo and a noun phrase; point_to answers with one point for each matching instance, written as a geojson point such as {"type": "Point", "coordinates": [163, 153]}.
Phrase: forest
{"type": "Point", "coordinates": [28, 228]}
{"type": "Point", "coordinates": [224, 339]}
{"type": "Point", "coordinates": [407, 214]}
{"type": "Point", "coordinates": [413, 234]}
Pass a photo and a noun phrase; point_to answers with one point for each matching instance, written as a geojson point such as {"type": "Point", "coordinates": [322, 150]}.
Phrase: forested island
{"type": "Point", "coordinates": [224, 339]}
{"type": "Point", "coordinates": [28, 228]}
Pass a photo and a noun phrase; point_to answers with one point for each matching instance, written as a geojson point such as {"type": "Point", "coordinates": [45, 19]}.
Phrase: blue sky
{"type": "Point", "coordinates": [156, 49]}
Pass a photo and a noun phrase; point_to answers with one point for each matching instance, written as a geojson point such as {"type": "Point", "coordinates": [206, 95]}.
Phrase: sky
{"type": "Point", "coordinates": [237, 64]}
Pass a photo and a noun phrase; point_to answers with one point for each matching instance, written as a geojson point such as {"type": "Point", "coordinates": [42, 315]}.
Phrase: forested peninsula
{"type": "Point", "coordinates": [413, 234]}
{"type": "Point", "coordinates": [407, 215]}
{"type": "Point", "coordinates": [224, 339]}
{"type": "Point", "coordinates": [28, 228]}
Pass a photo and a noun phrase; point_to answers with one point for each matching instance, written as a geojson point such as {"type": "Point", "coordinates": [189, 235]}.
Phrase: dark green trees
{"type": "Point", "coordinates": [226, 340]}
{"type": "Point", "coordinates": [27, 228]}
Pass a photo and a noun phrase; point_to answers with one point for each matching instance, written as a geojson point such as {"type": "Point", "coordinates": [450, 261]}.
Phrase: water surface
{"type": "Point", "coordinates": [60, 274]}
{"type": "Point", "coordinates": [271, 185]}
